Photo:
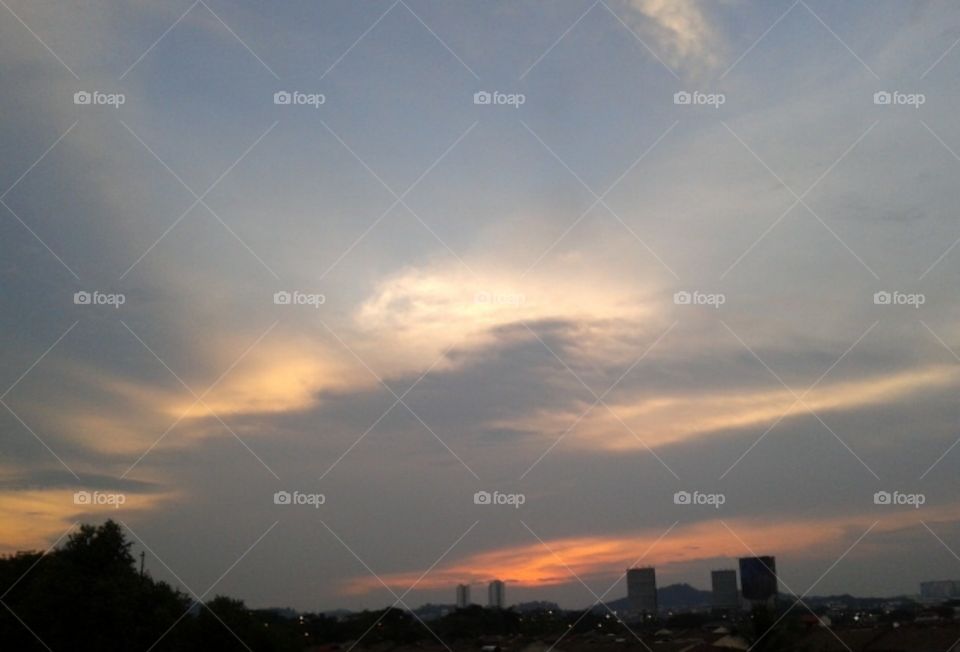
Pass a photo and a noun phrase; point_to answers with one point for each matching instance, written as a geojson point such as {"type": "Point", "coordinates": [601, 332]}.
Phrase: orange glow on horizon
{"type": "Point", "coordinates": [596, 557]}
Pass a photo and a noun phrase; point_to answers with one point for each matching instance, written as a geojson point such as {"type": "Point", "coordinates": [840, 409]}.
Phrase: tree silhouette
{"type": "Point", "coordinates": [88, 595]}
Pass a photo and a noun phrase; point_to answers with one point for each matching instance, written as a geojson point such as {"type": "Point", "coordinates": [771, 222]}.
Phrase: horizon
{"type": "Point", "coordinates": [343, 304]}
{"type": "Point", "coordinates": [581, 608]}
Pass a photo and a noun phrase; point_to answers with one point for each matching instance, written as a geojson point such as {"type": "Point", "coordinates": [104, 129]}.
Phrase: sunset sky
{"type": "Point", "coordinates": [495, 292]}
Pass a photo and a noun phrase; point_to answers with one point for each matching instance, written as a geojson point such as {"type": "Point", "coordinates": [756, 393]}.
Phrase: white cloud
{"type": "Point", "coordinates": [685, 36]}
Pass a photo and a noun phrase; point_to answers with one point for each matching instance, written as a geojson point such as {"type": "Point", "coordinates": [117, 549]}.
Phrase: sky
{"type": "Point", "coordinates": [654, 331]}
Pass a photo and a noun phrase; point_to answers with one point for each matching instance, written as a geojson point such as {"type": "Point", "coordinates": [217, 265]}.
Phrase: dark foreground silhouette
{"type": "Point", "coordinates": [88, 595]}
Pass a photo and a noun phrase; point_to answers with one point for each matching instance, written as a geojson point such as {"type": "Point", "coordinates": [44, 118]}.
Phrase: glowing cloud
{"type": "Point", "coordinates": [670, 418]}
{"type": "Point", "coordinates": [33, 519]}
{"type": "Point", "coordinates": [606, 557]}
{"type": "Point", "coordinates": [682, 31]}
{"type": "Point", "coordinates": [418, 313]}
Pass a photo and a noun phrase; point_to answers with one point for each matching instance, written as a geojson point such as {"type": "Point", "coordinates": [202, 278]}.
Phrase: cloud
{"type": "Point", "coordinates": [33, 518]}
{"type": "Point", "coordinates": [557, 561]}
{"type": "Point", "coordinates": [120, 411]}
{"type": "Point", "coordinates": [406, 324]}
{"type": "Point", "coordinates": [659, 419]}
{"type": "Point", "coordinates": [419, 312]}
{"type": "Point", "coordinates": [684, 34]}
{"type": "Point", "coordinates": [496, 394]}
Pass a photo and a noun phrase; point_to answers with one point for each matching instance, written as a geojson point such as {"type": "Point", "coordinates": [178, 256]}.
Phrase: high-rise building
{"type": "Point", "coordinates": [726, 597]}
{"type": "Point", "coordinates": [463, 596]}
{"type": "Point", "coordinates": [497, 594]}
{"type": "Point", "coordinates": [758, 577]}
{"type": "Point", "coordinates": [642, 590]}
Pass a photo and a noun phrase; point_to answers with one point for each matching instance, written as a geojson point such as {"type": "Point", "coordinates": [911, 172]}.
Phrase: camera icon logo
{"type": "Point", "coordinates": [482, 498]}
{"type": "Point", "coordinates": [482, 97]}
{"type": "Point", "coordinates": [882, 298]}
{"type": "Point", "coordinates": [682, 298]}
{"type": "Point", "coordinates": [282, 97]}
{"type": "Point", "coordinates": [882, 97]}
{"type": "Point", "coordinates": [682, 498]}
{"type": "Point", "coordinates": [81, 298]}
{"type": "Point", "coordinates": [281, 498]}
{"type": "Point", "coordinates": [882, 498]}
{"type": "Point", "coordinates": [282, 298]}
{"type": "Point", "coordinates": [82, 97]}
{"type": "Point", "coordinates": [682, 97]}
{"type": "Point", "coordinates": [81, 498]}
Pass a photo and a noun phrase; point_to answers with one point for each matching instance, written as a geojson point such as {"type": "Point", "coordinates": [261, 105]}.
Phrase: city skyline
{"type": "Point", "coordinates": [725, 589]}
{"type": "Point", "coordinates": [344, 304]}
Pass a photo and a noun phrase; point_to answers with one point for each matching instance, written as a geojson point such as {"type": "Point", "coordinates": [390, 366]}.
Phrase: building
{"type": "Point", "coordinates": [725, 597]}
{"type": "Point", "coordinates": [940, 590]}
{"type": "Point", "coordinates": [642, 590]}
{"type": "Point", "coordinates": [758, 578]}
{"type": "Point", "coordinates": [497, 595]}
{"type": "Point", "coordinates": [463, 596]}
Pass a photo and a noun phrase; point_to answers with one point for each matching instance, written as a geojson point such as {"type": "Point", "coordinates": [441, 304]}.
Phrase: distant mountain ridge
{"type": "Point", "coordinates": [674, 596]}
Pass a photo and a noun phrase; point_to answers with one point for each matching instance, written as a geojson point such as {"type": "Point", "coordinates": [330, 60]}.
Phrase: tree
{"type": "Point", "coordinates": [88, 595]}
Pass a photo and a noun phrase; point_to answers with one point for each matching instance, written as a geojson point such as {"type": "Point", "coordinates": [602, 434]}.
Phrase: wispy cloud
{"type": "Point", "coordinates": [660, 419]}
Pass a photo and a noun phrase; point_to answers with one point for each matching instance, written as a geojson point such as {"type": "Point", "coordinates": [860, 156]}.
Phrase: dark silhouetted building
{"type": "Point", "coordinates": [642, 590]}
{"type": "Point", "coordinates": [726, 596]}
{"type": "Point", "coordinates": [497, 594]}
{"type": "Point", "coordinates": [463, 596]}
{"type": "Point", "coordinates": [758, 577]}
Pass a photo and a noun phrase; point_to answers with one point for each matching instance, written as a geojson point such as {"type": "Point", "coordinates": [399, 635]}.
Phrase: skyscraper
{"type": "Point", "coordinates": [642, 590]}
{"type": "Point", "coordinates": [726, 597]}
{"type": "Point", "coordinates": [758, 577]}
{"type": "Point", "coordinates": [463, 596]}
{"type": "Point", "coordinates": [497, 594]}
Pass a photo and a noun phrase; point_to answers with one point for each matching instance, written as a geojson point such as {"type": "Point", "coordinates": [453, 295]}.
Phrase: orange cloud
{"type": "Point", "coordinates": [33, 519]}
{"type": "Point", "coordinates": [404, 326]}
{"type": "Point", "coordinates": [595, 557]}
{"type": "Point", "coordinates": [119, 415]}
{"type": "Point", "coordinates": [277, 376]}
